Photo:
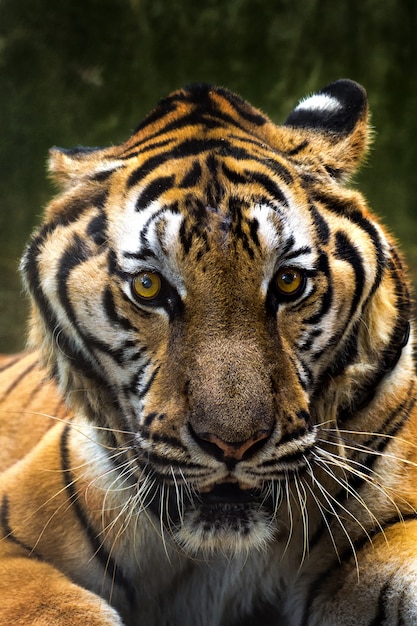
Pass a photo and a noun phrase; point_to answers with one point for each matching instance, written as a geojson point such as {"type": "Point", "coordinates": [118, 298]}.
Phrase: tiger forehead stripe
{"type": "Point", "coordinates": [205, 149]}
{"type": "Point", "coordinates": [189, 109]}
{"type": "Point", "coordinates": [202, 120]}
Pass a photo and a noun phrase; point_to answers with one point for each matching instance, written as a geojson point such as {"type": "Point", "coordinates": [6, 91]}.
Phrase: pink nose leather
{"type": "Point", "coordinates": [235, 450]}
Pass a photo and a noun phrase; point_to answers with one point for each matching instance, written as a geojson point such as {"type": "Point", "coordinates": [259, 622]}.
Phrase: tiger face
{"type": "Point", "coordinates": [202, 294]}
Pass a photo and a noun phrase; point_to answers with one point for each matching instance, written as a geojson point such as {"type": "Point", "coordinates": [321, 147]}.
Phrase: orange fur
{"type": "Point", "coordinates": [238, 445]}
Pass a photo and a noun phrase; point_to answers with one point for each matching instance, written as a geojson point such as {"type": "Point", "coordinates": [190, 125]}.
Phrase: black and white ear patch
{"type": "Point", "coordinates": [335, 109]}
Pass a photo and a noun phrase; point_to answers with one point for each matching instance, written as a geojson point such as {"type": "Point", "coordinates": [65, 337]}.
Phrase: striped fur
{"type": "Point", "coordinates": [215, 422]}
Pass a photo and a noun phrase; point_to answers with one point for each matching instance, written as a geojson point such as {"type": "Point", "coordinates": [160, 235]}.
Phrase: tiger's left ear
{"type": "Point", "coordinates": [338, 117]}
{"type": "Point", "coordinates": [66, 167]}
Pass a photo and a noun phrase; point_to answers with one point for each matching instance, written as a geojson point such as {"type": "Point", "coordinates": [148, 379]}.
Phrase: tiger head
{"type": "Point", "coordinates": [204, 294]}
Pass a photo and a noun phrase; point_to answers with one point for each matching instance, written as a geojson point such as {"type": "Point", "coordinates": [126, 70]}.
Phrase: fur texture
{"type": "Point", "coordinates": [215, 421]}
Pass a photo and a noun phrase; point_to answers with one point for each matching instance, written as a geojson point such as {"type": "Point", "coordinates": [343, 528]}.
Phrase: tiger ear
{"type": "Point", "coordinates": [67, 166]}
{"type": "Point", "coordinates": [338, 114]}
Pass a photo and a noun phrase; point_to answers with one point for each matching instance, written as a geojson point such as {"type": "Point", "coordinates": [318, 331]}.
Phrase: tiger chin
{"type": "Point", "coordinates": [215, 420]}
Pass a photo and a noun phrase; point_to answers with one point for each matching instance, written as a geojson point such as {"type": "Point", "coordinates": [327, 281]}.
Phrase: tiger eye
{"type": "Point", "coordinates": [147, 285]}
{"type": "Point", "coordinates": [289, 281]}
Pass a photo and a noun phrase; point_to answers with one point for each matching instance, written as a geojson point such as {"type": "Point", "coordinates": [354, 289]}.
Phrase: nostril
{"type": "Point", "coordinates": [208, 446]}
{"type": "Point", "coordinates": [230, 452]}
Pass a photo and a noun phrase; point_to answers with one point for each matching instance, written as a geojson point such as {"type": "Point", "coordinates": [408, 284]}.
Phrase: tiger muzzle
{"type": "Point", "coordinates": [231, 402]}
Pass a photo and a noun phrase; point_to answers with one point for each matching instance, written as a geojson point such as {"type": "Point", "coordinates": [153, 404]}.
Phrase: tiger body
{"type": "Point", "coordinates": [215, 423]}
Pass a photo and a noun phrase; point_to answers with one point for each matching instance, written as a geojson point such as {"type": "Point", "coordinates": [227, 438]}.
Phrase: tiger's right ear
{"type": "Point", "coordinates": [68, 166]}
{"type": "Point", "coordinates": [338, 115]}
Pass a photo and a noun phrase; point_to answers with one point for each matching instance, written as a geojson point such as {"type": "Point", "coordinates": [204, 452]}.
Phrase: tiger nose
{"type": "Point", "coordinates": [231, 452]}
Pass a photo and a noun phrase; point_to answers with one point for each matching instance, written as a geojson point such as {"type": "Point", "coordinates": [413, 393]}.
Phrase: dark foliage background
{"type": "Point", "coordinates": [86, 72]}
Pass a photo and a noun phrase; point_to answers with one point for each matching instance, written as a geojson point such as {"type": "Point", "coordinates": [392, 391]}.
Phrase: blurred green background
{"type": "Point", "coordinates": [86, 72]}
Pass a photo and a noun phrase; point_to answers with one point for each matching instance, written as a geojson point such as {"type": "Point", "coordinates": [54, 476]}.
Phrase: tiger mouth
{"type": "Point", "coordinates": [229, 493]}
{"type": "Point", "coordinates": [221, 499]}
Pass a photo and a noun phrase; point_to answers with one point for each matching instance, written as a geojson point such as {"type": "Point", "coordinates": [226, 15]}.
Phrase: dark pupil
{"type": "Point", "coordinates": [288, 278]}
{"type": "Point", "coordinates": [146, 282]}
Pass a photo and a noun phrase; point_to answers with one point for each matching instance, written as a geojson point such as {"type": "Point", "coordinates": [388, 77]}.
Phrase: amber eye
{"type": "Point", "coordinates": [147, 285]}
{"type": "Point", "coordinates": [290, 281]}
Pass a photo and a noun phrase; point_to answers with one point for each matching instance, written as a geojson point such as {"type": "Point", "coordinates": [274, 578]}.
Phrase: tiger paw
{"type": "Point", "coordinates": [383, 595]}
{"type": "Point", "coordinates": [35, 594]}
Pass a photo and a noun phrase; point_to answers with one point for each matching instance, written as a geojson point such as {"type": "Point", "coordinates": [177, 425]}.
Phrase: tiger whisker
{"type": "Point", "coordinates": [302, 499]}
{"type": "Point", "coordinates": [290, 514]}
{"type": "Point", "coordinates": [365, 476]}
{"type": "Point", "coordinates": [329, 498]}
{"type": "Point", "coordinates": [320, 507]}
{"type": "Point", "coordinates": [164, 502]}
{"type": "Point", "coordinates": [180, 499]}
{"type": "Point", "coordinates": [324, 464]}
{"type": "Point", "coordinates": [357, 447]}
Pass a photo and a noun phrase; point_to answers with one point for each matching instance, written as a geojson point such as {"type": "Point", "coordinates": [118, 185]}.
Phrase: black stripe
{"type": "Point", "coordinates": [327, 296]}
{"type": "Point", "coordinates": [297, 149]}
{"type": "Point", "coordinates": [75, 207]}
{"type": "Point", "coordinates": [322, 227]}
{"type": "Point", "coordinates": [175, 444]}
{"type": "Point", "coordinates": [35, 391]}
{"type": "Point", "coordinates": [148, 385]}
{"type": "Point", "coordinates": [149, 419]}
{"type": "Point", "coordinates": [387, 361]}
{"type": "Point", "coordinates": [215, 190]}
{"type": "Point", "coordinates": [287, 256]}
{"type": "Point", "coordinates": [345, 557]}
{"type": "Point", "coordinates": [111, 568]}
{"type": "Point", "coordinates": [403, 412]}
{"type": "Point", "coordinates": [97, 228]}
{"type": "Point", "coordinates": [253, 230]}
{"type": "Point", "coordinates": [154, 459]}
{"type": "Point", "coordinates": [19, 379]}
{"type": "Point", "coordinates": [372, 232]}
{"type": "Point", "coordinates": [346, 251]}
{"type": "Point", "coordinates": [163, 109]}
{"type": "Point", "coordinates": [12, 361]}
{"type": "Point", "coordinates": [250, 176]}
{"type": "Point", "coordinates": [346, 356]}
{"type": "Point", "coordinates": [31, 271]}
{"type": "Point", "coordinates": [238, 230]}
{"type": "Point", "coordinates": [381, 612]}
{"type": "Point", "coordinates": [268, 184]}
{"type": "Point", "coordinates": [76, 254]}
{"type": "Point", "coordinates": [277, 167]}
{"type": "Point", "coordinates": [207, 115]}
{"type": "Point", "coordinates": [234, 177]}
{"type": "Point", "coordinates": [153, 190]}
{"type": "Point", "coordinates": [146, 168]}
{"type": "Point", "coordinates": [188, 232]}
{"type": "Point", "coordinates": [347, 209]}
{"type": "Point", "coordinates": [9, 534]}
{"type": "Point", "coordinates": [145, 250]}
{"type": "Point", "coordinates": [402, 610]}
{"type": "Point", "coordinates": [137, 148]}
{"type": "Point", "coordinates": [192, 177]}
{"type": "Point", "coordinates": [194, 147]}
{"type": "Point", "coordinates": [132, 387]}
{"type": "Point", "coordinates": [101, 177]}
{"type": "Point", "coordinates": [372, 454]}
{"type": "Point", "coordinates": [244, 110]}
{"type": "Point", "coordinates": [335, 204]}
{"type": "Point", "coordinates": [112, 314]}
{"type": "Point", "coordinates": [396, 420]}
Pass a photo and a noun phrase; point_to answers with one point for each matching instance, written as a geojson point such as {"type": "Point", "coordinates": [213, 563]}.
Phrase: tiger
{"type": "Point", "coordinates": [215, 419]}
